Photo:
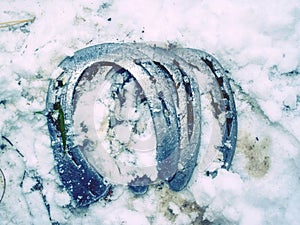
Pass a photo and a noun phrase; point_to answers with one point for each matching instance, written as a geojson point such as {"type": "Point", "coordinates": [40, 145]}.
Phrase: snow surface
{"type": "Point", "coordinates": [256, 41]}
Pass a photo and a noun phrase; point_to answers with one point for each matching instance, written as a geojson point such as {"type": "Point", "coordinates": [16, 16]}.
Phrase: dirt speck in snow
{"type": "Point", "coordinates": [171, 204]}
{"type": "Point", "coordinates": [256, 150]}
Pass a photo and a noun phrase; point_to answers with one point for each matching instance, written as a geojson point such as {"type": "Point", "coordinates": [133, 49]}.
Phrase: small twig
{"type": "Point", "coordinates": [4, 185]}
{"type": "Point", "coordinates": [15, 22]}
{"type": "Point", "coordinates": [6, 139]}
{"type": "Point", "coordinates": [12, 145]}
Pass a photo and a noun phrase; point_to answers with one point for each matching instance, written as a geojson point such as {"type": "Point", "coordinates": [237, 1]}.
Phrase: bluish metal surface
{"type": "Point", "coordinates": [81, 181]}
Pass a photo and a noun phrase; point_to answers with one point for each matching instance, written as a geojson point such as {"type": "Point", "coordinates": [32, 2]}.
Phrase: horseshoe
{"type": "Point", "coordinates": [72, 166]}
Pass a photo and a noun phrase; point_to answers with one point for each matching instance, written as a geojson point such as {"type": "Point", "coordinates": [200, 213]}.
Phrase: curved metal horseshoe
{"type": "Point", "coordinates": [80, 179]}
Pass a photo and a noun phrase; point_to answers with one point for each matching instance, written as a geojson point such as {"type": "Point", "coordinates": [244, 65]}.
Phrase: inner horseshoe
{"type": "Point", "coordinates": [117, 122]}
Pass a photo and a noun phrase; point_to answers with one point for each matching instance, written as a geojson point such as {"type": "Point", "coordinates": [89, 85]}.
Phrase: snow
{"type": "Point", "coordinates": [256, 41]}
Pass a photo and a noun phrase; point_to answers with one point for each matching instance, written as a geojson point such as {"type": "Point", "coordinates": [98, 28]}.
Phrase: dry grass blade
{"type": "Point", "coordinates": [2, 185]}
{"type": "Point", "coordinates": [15, 22]}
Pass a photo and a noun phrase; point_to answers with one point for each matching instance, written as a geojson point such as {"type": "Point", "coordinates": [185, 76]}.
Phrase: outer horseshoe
{"type": "Point", "coordinates": [72, 166]}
